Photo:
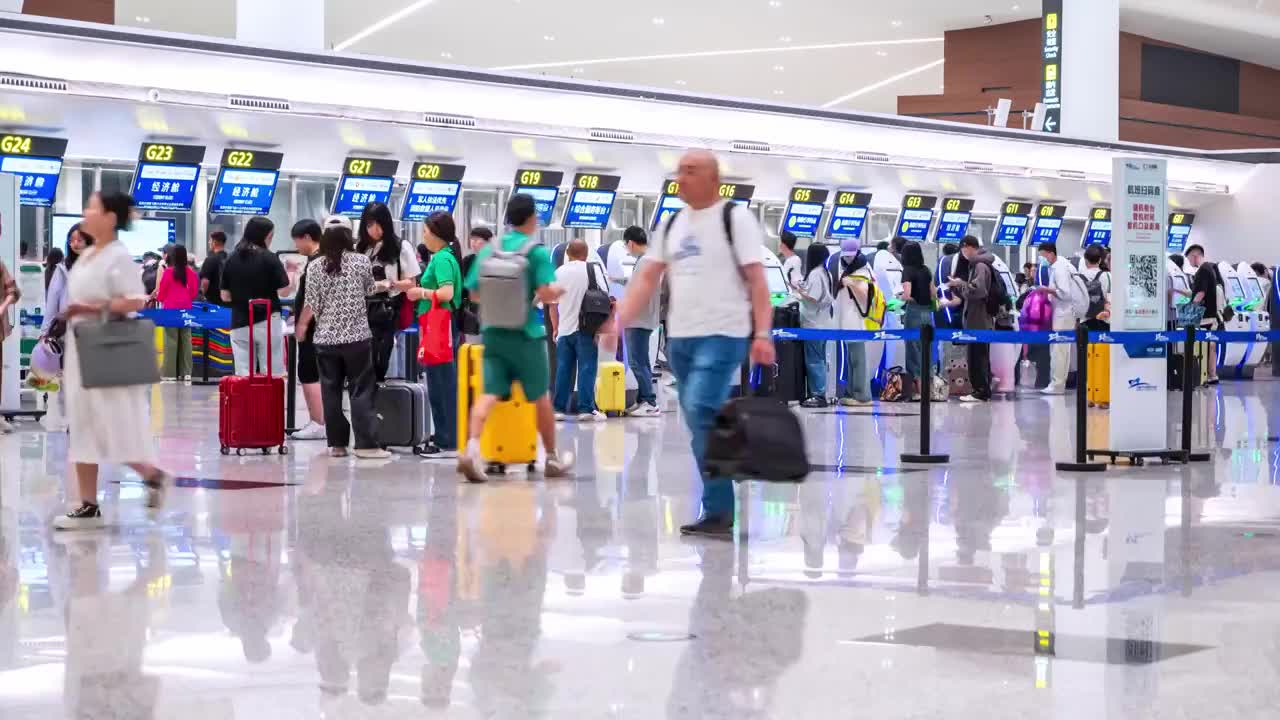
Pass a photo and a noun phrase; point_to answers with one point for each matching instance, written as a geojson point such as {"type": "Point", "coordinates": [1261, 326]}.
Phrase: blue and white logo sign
{"type": "Point", "coordinates": [1139, 385]}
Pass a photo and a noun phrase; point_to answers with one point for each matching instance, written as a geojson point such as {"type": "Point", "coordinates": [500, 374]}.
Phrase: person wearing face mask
{"type": "Point", "coordinates": [1059, 289]}
{"type": "Point", "coordinates": [396, 268]}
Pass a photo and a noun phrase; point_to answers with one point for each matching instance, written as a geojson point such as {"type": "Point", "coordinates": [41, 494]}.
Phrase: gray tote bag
{"type": "Point", "coordinates": [116, 353]}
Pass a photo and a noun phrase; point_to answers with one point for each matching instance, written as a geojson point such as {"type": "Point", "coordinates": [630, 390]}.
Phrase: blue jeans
{"type": "Point", "coordinates": [857, 383]}
{"type": "Point", "coordinates": [576, 349]}
{"type": "Point", "coordinates": [704, 368]}
{"type": "Point", "coordinates": [916, 317]}
{"type": "Point", "coordinates": [637, 345]}
{"type": "Point", "coordinates": [815, 365]}
{"type": "Point", "coordinates": [442, 395]}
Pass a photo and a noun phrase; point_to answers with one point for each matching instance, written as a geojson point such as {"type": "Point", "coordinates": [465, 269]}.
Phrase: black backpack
{"type": "Point", "coordinates": [997, 295]}
{"type": "Point", "coordinates": [756, 438]}
{"type": "Point", "coordinates": [596, 308]}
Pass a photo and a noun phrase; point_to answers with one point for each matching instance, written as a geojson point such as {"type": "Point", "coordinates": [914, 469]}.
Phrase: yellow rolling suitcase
{"type": "Point", "coordinates": [510, 435]}
{"type": "Point", "coordinates": [611, 388]}
{"type": "Point", "coordinates": [1099, 388]}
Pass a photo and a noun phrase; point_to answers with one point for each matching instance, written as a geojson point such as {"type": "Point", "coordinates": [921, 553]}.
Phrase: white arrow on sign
{"type": "Point", "coordinates": [1049, 123]}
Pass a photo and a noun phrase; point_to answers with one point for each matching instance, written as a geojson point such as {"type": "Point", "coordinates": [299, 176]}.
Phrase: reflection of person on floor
{"type": "Point", "coordinates": [853, 508]}
{"type": "Point", "coordinates": [977, 507]}
{"type": "Point", "coordinates": [913, 527]}
{"type": "Point", "coordinates": [438, 602]}
{"type": "Point", "coordinates": [249, 595]}
{"type": "Point", "coordinates": [514, 531]}
{"type": "Point", "coordinates": [740, 648]}
{"type": "Point", "coordinates": [638, 516]}
{"type": "Point", "coordinates": [360, 594]}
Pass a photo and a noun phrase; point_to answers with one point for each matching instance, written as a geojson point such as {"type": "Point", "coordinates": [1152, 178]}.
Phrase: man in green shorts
{"type": "Point", "coordinates": [511, 355]}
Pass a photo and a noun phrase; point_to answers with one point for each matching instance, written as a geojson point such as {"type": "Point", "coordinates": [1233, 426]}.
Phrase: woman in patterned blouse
{"type": "Point", "coordinates": [337, 283]}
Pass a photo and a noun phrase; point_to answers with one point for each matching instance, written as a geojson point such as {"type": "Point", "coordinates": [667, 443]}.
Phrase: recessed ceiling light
{"type": "Point", "coordinates": [881, 53]}
{"type": "Point", "coordinates": [446, 54]}
{"type": "Point", "coordinates": [548, 38]}
{"type": "Point", "coordinates": [775, 3]}
{"type": "Point", "coordinates": [896, 23]}
{"type": "Point", "coordinates": [659, 21]}
{"type": "Point", "coordinates": [779, 68]}
{"type": "Point", "coordinates": [579, 70]}
{"type": "Point", "coordinates": [1016, 8]}
{"type": "Point", "coordinates": [681, 82]}
{"type": "Point", "coordinates": [784, 38]}
{"type": "Point", "coordinates": [142, 19]}
{"type": "Point", "coordinates": [779, 92]}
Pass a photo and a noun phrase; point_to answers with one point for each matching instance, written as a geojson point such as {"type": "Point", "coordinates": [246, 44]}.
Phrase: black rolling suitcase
{"type": "Point", "coordinates": [405, 416]}
{"type": "Point", "coordinates": [785, 381]}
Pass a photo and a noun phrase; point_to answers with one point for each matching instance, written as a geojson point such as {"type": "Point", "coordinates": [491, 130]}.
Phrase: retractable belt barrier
{"type": "Point", "coordinates": [203, 317]}
{"type": "Point", "coordinates": [928, 336]}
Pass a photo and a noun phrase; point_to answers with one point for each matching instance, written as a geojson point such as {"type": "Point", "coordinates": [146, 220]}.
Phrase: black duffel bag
{"type": "Point", "coordinates": [756, 438]}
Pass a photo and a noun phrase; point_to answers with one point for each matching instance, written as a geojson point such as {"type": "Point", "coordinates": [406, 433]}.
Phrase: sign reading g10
{"type": "Point", "coordinates": [364, 180]}
{"type": "Point", "coordinates": [246, 182]}
{"type": "Point", "coordinates": [591, 201]}
{"type": "Point", "coordinates": [804, 211]}
{"type": "Point", "coordinates": [916, 216]}
{"type": "Point", "coordinates": [1048, 223]}
{"type": "Point", "coordinates": [848, 215]}
{"type": "Point", "coordinates": [433, 188]}
{"type": "Point", "coordinates": [166, 176]}
{"type": "Point", "coordinates": [36, 162]}
{"type": "Point", "coordinates": [543, 186]}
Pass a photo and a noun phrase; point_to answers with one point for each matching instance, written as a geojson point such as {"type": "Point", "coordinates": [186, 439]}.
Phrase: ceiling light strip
{"type": "Point", "coordinates": [382, 24]}
{"type": "Point", "coordinates": [722, 53]}
{"type": "Point", "coordinates": [887, 81]}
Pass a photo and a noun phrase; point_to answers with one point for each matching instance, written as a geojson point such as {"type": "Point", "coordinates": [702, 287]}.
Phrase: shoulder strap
{"type": "Point", "coordinates": [728, 220]}
{"type": "Point", "coordinates": [591, 278]}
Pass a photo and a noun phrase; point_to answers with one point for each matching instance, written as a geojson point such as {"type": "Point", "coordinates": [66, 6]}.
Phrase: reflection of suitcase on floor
{"type": "Point", "coordinates": [786, 380]}
{"type": "Point", "coordinates": [1004, 357]}
{"type": "Point", "coordinates": [611, 388]}
{"type": "Point", "coordinates": [251, 409]}
{"type": "Point", "coordinates": [1099, 388]}
{"type": "Point", "coordinates": [405, 416]}
{"type": "Point", "coordinates": [510, 435]}
{"type": "Point", "coordinates": [1175, 368]}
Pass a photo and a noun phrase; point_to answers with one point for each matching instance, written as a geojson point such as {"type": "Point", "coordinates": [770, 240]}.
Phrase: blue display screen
{"type": "Point", "coordinates": [668, 205]}
{"type": "Point", "coordinates": [158, 186]}
{"type": "Point", "coordinates": [952, 227]}
{"type": "Point", "coordinates": [1046, 230]}
{"type": "Point", "coordinates": [243, 192]}
{"type": "Point", "coordinates": [1011, 229]}
{"type": "Point", "coordinates": [426, 197]}
{"type": "Point", "coordinates": [543, 197]}
{"type": "Point", "coordinates": [589, 209]}
{"type": "Point", "coordinates": [1099, 233]}
{"type": "Point", "coordinates": [846, 222]}
{"type": "Point", "coordinates": [1178, 235]}
{"type": "Point", "coordinates": [802, 218]}
{"type": "Point", "coordinates": [913, 224]}
{"type": "Point", "coordinates": [356, 191]}
{"type": "Point", "coordinates": [37, 177]}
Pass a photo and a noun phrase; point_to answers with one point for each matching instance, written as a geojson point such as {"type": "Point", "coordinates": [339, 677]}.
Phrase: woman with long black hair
{"type": "Point", "coordinates": [396, 262]}
{"type": "Point", "coordinates": [253, 272]}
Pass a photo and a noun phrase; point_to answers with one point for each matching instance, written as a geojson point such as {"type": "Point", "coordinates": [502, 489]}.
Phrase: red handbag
{"type": "Point", "coordinates": [435, 335]}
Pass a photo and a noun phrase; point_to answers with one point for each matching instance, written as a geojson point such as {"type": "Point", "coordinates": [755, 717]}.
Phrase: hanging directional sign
{"type": "Point", "coordinates": [1051, 65]}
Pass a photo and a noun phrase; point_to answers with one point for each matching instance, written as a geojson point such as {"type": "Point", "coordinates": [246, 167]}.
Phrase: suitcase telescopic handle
{"type": "Point", "coordinates": [253, 347]}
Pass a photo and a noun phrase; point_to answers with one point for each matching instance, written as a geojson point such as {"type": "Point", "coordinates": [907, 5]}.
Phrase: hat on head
{"type": "Point", "coordinates": [338, 221]}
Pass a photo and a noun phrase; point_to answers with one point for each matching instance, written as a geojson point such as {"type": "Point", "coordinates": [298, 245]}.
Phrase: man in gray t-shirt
{"type": "Point", "coordinates": [640, 331]}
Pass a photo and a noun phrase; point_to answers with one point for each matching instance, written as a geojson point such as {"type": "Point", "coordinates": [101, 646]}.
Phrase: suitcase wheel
{"type": "Point", "coordinates": [533, 467]}
{"type": "Point", "coordinates": [495, 469]}
{"type": "Point", "coordinates": [266, 451]}
{"type": "Point", "coordinates": [284, 449]}
{"type": "Point", "coordinates": [239, 452]}
{"type": "Point", "coordinates": [226, 450]}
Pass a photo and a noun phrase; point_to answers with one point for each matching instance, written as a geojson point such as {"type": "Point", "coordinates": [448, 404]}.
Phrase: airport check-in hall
{"type": "Point", "coordinates": [754, 359]}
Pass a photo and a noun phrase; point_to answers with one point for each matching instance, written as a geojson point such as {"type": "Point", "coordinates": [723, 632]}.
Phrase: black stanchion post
{"type": "Point", "coordinates": [291, 393]}
{"type": "Point", "coordinates": [926, 401]}
{"type": "Point", "coordinates": [1189, 369]}
{"type": "Point", "coordinates": [1082, 463]}
{"type": "Point", "coordinates": [204, 370]}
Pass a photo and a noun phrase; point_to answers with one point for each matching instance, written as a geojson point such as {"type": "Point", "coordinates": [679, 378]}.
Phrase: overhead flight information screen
{"type": "Point", "coordinates": [433, 187]}
{"type": "Point", "coordinates": [364, 181]}
{"type": "Point", "coordinates": [37, 163]}
{"type": "Point", "coordinates": [591, 201]}
{"type": "Point", "coordinates": [1014, 218]}
{"type": "Point", "coordinates": [916, 216]}
{"type": "Point", "coordinates": [804, 212]}
{"type": "Point", "coordinates": [1098, 231]}
{"type": "Point", "coordinates": [1048, 224]}
{"type": "Point", "coordinates": [166, 176]}
{"type": "Point", "coordinates": [954, 223]}
{"type": "Point", "coordinates": [848, 215]}
{"type": "Point", "coordinates": [246, 182]}
{"type": "Point", "coordinates": [1180, 230]}
{"type": "Point", "coordinates": [669, 203]}
{"type": "Point", "coordinates": [543, 186]}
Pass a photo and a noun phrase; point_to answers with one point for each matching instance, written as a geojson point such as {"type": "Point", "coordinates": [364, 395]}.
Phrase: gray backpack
{"type": "Point", "coordinates": [503, 286]}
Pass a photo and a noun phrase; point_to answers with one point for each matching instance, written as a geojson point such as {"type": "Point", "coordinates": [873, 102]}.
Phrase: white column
{"type": "Point", "coordinates": [290, 24]}
{"type": "Point", "coordinates": [1090, 77]}
{"type": "Point", "coordinates": [13, 6]}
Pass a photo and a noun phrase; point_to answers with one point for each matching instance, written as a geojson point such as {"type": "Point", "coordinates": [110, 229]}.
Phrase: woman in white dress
{"type": "Point", "coordinates": [108, 425]}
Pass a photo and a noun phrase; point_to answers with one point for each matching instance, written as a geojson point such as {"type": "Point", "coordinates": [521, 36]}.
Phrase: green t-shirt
{"type": "Point", "coordinates": [442, 270]}
{"type": "Point", "coordinates": [541, 272]}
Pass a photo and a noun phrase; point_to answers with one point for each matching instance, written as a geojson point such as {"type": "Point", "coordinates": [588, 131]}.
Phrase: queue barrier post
{"type": "Point", "coordinates": [291, 392]}
{"type": "Point", "coordinates": [1081, 463]}
{"type": "Point", "coordinates": [926, 401]}
{"type": "Point", "coordinates": [1188, 370]}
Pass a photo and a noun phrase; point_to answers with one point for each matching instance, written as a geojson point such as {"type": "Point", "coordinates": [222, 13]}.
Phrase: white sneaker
{"type": "Point", "coordinates": [373, 454]}
{"type": "Point", "coordinates": [591, 417]}
{"type": "Point", "coordinates": [559, 417]}
{"type": "Point", "coordinates": [632, 410]}
{"type": "Point", "coordinates": [1051, 390]}
{"type": "Point", "coordinates": [969, 399]}
{"type": "Point", "coordinates": [5, 427]}
{"type": "Point", "coordinates": [646, 410]}
{"type": "Point", "coordinates": [310, 431]}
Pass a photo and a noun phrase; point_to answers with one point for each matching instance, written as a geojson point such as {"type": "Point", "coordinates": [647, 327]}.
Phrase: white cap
{"type": "Point", "coordinates": [338, 221]}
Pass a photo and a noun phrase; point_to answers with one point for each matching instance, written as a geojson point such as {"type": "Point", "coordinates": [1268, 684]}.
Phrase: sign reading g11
{"type": "Point", "coordinates": [433, 187]}
{"type": "Point", "coordinates": [37, 163]}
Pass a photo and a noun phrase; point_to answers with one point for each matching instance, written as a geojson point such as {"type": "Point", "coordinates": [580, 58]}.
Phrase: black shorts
{"type": "Point", "coordinates": [308, 369]}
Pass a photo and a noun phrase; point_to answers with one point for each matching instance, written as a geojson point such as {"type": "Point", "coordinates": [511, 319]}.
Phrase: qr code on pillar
{"type": "Point", "coordinates": [1144, 277]}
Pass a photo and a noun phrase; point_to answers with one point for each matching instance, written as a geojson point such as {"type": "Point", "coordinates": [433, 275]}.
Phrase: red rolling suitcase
{"type": "Point", "coordinates": [251, 409]}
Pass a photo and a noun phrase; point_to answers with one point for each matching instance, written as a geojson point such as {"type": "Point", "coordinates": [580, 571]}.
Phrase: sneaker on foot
{"type": "Point", "coordinates": [718, 528]}
{"type": "Point", "coordinates": [435, 452]}
{"type": "Point", "coordinates": [853, 402]}
{"type": "Point", "coordinates": [558, 466]}
{"type": "Point", "coordinates": [559, 417]}
{"type": "Point", "coordinates": [311, 431]}
{"type": "Point", "coordinates": [646, 410]}
{"type": "Point", "coordinates": [593, 416]}
{"type": "Point", "coordinates": [157, 489]}
{"type": "Point", "coordinates": [1053, 390]}
{"type": "Point", "coordinates": [470, 466]}
{"type": "Point", "coordinates": [814, 402]}
{"type": "Point", "coordinates": [337, 452]}
{"type": "Point", "coordinates": [86, 517]}
{"type": "Point", "coordinates": [969, 399]}
{"type": "Point", "coordinates": [5, 427]}
{"type": "Point", "coordinates": [632, 410]}
{"type": "Point", "coordinates": [373, 454]}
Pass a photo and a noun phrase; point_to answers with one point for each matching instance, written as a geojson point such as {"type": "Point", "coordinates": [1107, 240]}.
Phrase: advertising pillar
{"type": "Point", "coordinates": [1138, 373]}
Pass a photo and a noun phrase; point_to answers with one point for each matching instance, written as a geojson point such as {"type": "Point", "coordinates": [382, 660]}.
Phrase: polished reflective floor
{"type": "Point", "coordinates": [991, 587]}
